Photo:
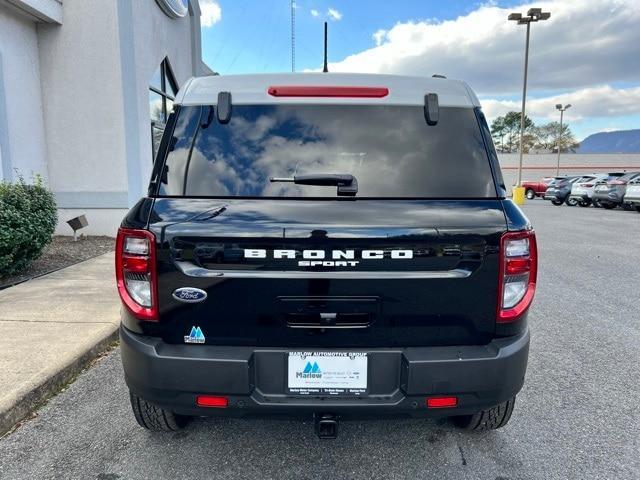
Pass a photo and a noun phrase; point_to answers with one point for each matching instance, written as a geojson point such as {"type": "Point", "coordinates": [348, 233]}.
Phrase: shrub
{"type": "Point", "coordinates": [28, 217]}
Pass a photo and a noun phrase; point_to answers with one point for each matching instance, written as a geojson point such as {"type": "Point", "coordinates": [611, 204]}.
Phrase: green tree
{"type": "Point", "coordinates": [548, 136]}
{"type": "Point", "coordinates": [506, 132]}
{"type": "Point", "coordinates": [498, 131]}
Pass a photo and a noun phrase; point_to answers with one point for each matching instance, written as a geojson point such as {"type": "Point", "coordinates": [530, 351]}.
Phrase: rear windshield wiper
{"type": "Point", "coordinates": [346, 183]}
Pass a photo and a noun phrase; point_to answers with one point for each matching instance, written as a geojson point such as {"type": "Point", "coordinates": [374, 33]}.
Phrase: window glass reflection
{"type": "Point", "coordinates": [389, 149]}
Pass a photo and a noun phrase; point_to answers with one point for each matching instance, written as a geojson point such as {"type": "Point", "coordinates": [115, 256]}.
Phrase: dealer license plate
{"type": "Point", "coordinates": [327, 373]}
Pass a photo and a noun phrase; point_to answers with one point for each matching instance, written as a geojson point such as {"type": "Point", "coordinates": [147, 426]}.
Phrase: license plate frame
{"type": "Point", "coordinates": [328, 373]}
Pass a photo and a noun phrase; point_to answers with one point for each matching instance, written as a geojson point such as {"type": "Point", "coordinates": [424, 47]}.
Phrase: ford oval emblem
{"type": "Point", "coordinates": [189, 294]}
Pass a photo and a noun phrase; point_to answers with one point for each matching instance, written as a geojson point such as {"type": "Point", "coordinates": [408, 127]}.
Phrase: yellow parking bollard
{"type": "Point", "coordinates": [518, 195]}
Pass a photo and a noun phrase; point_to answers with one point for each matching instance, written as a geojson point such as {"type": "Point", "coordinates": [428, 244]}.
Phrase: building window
{"type": "Point", "coordinates": [162, 92]}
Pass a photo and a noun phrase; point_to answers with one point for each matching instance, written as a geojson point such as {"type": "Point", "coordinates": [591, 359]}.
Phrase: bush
{"type": "Point", "coordinates": [28, 217]}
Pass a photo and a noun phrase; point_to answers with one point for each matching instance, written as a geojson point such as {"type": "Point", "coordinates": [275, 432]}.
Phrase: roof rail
{"type": "Point", "coordinates": [437, 75]}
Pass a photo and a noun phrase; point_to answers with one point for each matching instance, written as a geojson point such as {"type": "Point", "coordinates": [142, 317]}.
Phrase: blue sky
{"type": "Point", "coordinates": [576, 57]}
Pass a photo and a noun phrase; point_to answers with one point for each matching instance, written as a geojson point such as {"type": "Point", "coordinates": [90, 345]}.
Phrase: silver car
{"type": "Point", "coordinates": [582, 190]}
{"type": "Point", "coordinates": [611, 193]}
{"type": "Point", "coordinates": [632, 195]}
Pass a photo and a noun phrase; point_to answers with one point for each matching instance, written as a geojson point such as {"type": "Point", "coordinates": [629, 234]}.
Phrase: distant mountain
{"type": "Point", "coordinates": [619, 141]}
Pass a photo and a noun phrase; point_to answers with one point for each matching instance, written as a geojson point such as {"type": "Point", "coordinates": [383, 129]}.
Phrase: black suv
{"type": "Point", "coordinates": [325, 245]}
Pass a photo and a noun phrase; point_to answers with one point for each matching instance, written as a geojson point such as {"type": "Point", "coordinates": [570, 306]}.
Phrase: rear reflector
{"type": "Point", "coordinates": [309, 91]}
{"type": "Point", "coordinates": [211, 401]}
{"type": "Point", "coordinates": [442, 402]}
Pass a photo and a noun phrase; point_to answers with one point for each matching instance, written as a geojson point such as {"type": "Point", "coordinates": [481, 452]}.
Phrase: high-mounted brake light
{"type": "Point", "coordinates": [344, 92]}
{"type": "Point", "coordinates": [136, 272]}
{"type": "Point", "coordinates": [518, 274]}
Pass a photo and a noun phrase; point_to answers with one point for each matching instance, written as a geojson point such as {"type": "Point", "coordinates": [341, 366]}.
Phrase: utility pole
{"type": "Point", "coordinates": [561, 109]}
{"type": "Point", "coordinates": [293, 35]}
{"type": "Point", "coordinates": [325, 68]}
{"type": "Point", "coordinates": [533, 15]}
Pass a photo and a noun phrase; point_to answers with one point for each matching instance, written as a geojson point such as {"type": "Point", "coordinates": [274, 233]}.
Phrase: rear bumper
{"type": "Point", "coordinates": [581, 197]}
{"type": "Point", "coordinates": [254, 379]}
{"type": "Point", "coordinates": [608, 197]}
{"type": "Point", "coordinates": [556, 195]}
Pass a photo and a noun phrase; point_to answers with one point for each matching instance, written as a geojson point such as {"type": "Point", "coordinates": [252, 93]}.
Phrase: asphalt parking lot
{"type": "Point", "coordinates": [578, 415]}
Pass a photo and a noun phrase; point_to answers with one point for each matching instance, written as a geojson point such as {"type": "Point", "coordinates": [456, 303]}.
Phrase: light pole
{"type": "Point", "coordinates": [533, 15]}
{"type": "Point", "coordinates": [561, 109]}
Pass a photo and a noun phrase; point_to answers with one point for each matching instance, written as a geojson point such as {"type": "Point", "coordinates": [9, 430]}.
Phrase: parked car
{"type": "Point", "coordinates": [536, 189]}
{"type": "Point", "coordinates": [365, 287]}
{"type": "Point", "coordinates": [632, 195]}
{"type": "Point", "coordinates": [610, 193]}
{"type": "Point", "coordinates": [559, 190]}
{"type": "Point", "coordinates": [582, 190]}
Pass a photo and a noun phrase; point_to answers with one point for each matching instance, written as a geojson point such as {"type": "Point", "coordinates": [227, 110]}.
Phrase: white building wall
{"type": "Point", "coordinates": [96, 68]}
{"type": "Point", "coordinates": [156, 37]}
{"type": "Point", "coordinates": [83, 111]}
{"type": "Point", "coordinates": [22, 133]}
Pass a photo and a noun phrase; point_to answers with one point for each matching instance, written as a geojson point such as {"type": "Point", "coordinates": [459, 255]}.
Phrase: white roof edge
{"type": "Point", "coordinates": [472, 95]}
{"type": "Point", "coordinates": [252, 89]}
{"type": "Point", "coordinates": [183, 90]}
{"type": "Point", "coordinates": [47, 11]}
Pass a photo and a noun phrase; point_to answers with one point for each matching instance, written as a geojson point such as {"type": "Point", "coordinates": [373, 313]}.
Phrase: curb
{"type": "Point", "coordinates": [36, 397]}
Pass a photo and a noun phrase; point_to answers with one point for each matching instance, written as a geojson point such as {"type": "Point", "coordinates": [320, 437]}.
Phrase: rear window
{"type": "Point", "coordinates": [390, 150]}
{"type": "Point", "coordinates": [628, 176]}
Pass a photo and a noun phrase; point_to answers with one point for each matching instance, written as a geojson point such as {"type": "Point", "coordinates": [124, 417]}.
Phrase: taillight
{"type": "Point", "coordinates": [587, 185]}
{"type": "Point", "coordinates": [136, 272]}
{"type": "Point", "coordinates": [616, 182]}
{"type": "Point", "coordinates": [518, 272]}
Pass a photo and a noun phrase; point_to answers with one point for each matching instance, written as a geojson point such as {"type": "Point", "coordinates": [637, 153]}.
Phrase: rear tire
{"type": "Point", "coordinates": [557, 203]}
{"type": "Point", "coordinates": [490, 419]}
{"type": "Point", "coordinates": [584, 203]}
{"type": "Point", "coordinates": [637, 208]}
{"type": "Point", "coordinates": [530, 194]}
{"type": "Point", "coordinates": [572, 202]}
{"type": "Point", "coordinates": [609, 206]}
{"type": "Point", "coordinates": [597, 204]}
{"type": "Point", "coordinates": [154, 418]}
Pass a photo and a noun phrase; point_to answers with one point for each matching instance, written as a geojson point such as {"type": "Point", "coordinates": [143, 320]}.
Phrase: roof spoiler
{"type": "Point", "coordinates": [431, 108]}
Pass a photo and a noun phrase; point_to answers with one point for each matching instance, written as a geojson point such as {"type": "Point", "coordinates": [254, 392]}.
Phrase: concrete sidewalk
{"type": "Point", "coordinates": [50, 328]}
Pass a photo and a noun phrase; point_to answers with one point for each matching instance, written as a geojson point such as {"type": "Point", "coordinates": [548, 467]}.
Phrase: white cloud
{"type": "Point", "coordinates": [601, 101]}
{"type": "Point", "coordinates": [585, 43]}
{"type": "Point", "coordinates": [314, 12]}
{"type": "Point", "coordinates": [211, 13]}
{"type": "Point", "coordinates": [379, 36]}
{"type": "Point", "coordinates": [334, 14]}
